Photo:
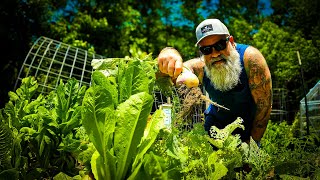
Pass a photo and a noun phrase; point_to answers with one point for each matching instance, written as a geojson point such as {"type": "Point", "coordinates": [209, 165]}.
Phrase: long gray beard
{"type": "Point", "coordinates": [226, 76]}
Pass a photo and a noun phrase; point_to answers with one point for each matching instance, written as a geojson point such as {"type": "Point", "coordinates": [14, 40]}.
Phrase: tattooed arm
{"type": "Point", "coordinates": [261, 89]}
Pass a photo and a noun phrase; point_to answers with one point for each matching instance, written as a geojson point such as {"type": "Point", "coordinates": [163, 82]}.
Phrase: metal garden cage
{"type": "Point", "coordinates": [313, 102]}
{"type": "Point", "coordinates": [50, 61]}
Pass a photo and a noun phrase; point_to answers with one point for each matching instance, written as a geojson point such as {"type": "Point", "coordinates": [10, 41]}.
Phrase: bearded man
{"type": "Point", "coordinates": [234, 75]}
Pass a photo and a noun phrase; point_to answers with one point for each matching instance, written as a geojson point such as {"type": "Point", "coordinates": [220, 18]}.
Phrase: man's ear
{"type": "Point", "coordinates": [231, 39]}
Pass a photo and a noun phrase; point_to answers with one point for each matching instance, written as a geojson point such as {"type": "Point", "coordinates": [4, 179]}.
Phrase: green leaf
{"type": "Point", "coordinates": [150, 135]}
{"type": "Point", "coordinates": [111, 163]}
{"type": "Point", "coordinates": [62, 176]}
{"type": "Point", "coordinates": [47, 136]}
{"type": "Point", "coordinates": [13, 96]}
{"type": "Point", "coordinates": [47, 116]}
{"type": "Point", "coordinates": [27, 88]}
{"type": "Point", "coordinates": [176, 149]}
{"type": "Point", "coordinates": [132, 117]}
{"type": "Point", "coordinates": [125, 83]}
{"type": "Point", "coordinates": [84, 156]}
{"type": "Point", "coordinates": [45, 149]}
{"type": "Point", "coordinates": [137, 77]}
{"type": "Point", "coordinates": [155, 166]}
{"type": "Point", "coordinates": [14, 111]}
{"type": "Point", "coordinates": [5, 145]}
{"type": "Point", "coordinates": [69, 144]}
{"type": "Point", "coordinates": [74, 121]}
{"type": "Point", "coordinates": [67, 98]}
{"type": "Point", "coordinates": [98, 78]}
{"type": "Point", "coordinates": [97, 114]}
{"type": "Point", "coordinates": [33, 105]}
{"type": "Point", "coordinates": [106, 64]}
{"type": "Point", "coordinates": [136, 173]}
{"type": "Point", "coordinates": [219, 171]}
{"type": "Point", "coordinates": [72, 91]}
{"type": "Point", "coordinates": [16, 158]}
{"type": "Point", "coordinates": [96, 161]}
{"type": "Point", "coordinates": [27, 131]}
{"type": "Point", "coordinates": [103, 168]}
{"type": "Point", "coordinates": [10, 174]}
{"type": "Point", "coordinates": [216, 164]}
{"type": "Point", "coordinates": [61, 103]}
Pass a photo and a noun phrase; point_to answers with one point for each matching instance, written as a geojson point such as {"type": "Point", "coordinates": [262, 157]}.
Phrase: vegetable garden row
{"type": "Point", "coordinates": [107, 131]}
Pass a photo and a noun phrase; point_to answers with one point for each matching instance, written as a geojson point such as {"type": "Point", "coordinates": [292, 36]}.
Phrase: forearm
{"type": "Point", "coordinates": [262, 93]}
{"type": "Point", "coordinates": [260, 123]}
{"type": "Point", "coordinates": [196, 66]}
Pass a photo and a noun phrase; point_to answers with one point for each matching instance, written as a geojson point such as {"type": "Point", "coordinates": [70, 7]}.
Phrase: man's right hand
{"type": "Point", "coordinates": [170, 62]}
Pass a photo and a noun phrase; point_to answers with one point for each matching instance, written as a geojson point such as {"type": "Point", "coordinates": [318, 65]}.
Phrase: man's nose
{"type": "Point", "coordinates": [215, 53]}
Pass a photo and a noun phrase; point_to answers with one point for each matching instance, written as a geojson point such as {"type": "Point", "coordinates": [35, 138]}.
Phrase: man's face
{"type": "Point", "coordinates": [222, 67]}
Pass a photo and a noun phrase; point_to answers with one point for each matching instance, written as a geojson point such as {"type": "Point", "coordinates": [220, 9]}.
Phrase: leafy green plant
{"type": "Point", "coordinates": [21, 103]}
{"type": "Point", "coordinates": [44, 129]}
{"type": "Point", "coordinates": [291, 154]}
{"type": "Point", "coordinates": [191, 156]}
{"type": "Point", "coordinates": [115, 113]}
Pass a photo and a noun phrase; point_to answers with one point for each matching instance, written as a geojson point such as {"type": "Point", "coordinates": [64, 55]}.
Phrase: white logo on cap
{"type": "Point", "coordinates": [206, 28]}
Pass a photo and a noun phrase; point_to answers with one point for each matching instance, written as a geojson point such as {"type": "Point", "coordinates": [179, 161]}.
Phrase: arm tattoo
{"type": "Point", "coordinates": [260, 85]}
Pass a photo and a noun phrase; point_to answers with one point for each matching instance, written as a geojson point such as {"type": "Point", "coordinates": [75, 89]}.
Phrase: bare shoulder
{"type": "Point", "coordinates": [253, 56]}
{"type": "Point", "coordinates": [256, 67]}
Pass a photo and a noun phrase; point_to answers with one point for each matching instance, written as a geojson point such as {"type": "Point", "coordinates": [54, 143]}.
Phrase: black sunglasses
{"type": "Point", "coordinates": [218, 46]}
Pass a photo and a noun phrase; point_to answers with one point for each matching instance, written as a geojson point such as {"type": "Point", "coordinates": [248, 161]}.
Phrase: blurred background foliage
{"type": "Point", "coordinates": [130, 27]}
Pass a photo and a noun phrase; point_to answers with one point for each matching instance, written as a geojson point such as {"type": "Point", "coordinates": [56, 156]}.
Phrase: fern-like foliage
{"type": "Point", "coordinates": [5, 146]}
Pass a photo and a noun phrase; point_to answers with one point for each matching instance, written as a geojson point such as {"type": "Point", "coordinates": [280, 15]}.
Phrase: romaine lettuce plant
{"type": "Point", "coordinates": [115, 112]}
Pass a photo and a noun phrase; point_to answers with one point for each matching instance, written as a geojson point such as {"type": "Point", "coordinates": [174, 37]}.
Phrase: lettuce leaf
{"type": "Point", "coordinates": [132, 117]}
{"type": "Point", "coordinates": [97, 113]}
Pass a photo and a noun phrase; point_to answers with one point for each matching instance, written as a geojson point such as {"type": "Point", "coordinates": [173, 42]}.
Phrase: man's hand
{"type": "Point", "coordinates": [170, 62]}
